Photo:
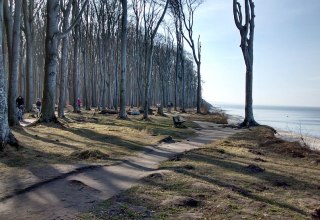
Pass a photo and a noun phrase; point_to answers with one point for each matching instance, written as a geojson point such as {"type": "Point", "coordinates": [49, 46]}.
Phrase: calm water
{"type": "Point", "coordinates": [295, 119]}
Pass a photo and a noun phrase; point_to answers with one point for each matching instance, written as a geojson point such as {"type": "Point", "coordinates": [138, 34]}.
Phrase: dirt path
{"type": "Point", "coordinates": [66, 197]}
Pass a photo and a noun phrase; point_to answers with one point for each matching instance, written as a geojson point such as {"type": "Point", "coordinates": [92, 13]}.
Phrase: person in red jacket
{"type": "Point", "coordinates": [78, 104]}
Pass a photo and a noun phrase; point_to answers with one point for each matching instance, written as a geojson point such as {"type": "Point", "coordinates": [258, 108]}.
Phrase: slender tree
{"type": "Point", "coordinates": [122, 113]}
{"type": "Point", "coordinates": [188, 21]}
{"type": "Point", "coordinates": [245, 24]}
{"type": "Point", "coordinates": [151, 29]}
{"type": "Point", "coordinates": [14, 58]}
{"type": "Point", "coordinates": [66, 9]}
{"type": "Point", "coordinates": [28, 10]}
{"type": "Point", "coordinates": [76, 68]}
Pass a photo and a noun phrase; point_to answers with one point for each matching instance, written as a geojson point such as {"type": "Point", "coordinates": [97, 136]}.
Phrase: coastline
{"type": "Point", "coordinates": [312, 142]}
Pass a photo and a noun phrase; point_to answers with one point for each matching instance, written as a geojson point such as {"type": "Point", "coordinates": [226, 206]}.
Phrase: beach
{"type": "Point", "coordinates": [291, 123]}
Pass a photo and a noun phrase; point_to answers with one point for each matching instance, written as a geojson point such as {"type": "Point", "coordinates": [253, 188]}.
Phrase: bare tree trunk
{"type": "Point", "coordinates": [149, 55]}
{"type": "Point", "coordinates": [76, 77]}
{"type": "Point", "coordinates": [116, 70]}
{"type": "Point", "coordinates": [14, 70]}
{"type": "Point", "coordinates": [51, 59]}
{"type": "Point", "coordinates": [9, 26]}
{"type": "Point", "coordinates": [28, 20]}
{"type": "Point", "coordinates": [199, 96]}
{"type": "Point", "coordinates": [176, 79]}
{"type": "Point", "coordinates": [5, 133]}
{"type": "Point", "coordinates": [247, 35]}
{"type": "Point", "coordinates": [122, 112]}
{"type": "Point", "coordinates": [64, 61]}
{"type": "Point", "coordinates": [188, 20]}
{"type": "Point", "coordinates": [152, 33]}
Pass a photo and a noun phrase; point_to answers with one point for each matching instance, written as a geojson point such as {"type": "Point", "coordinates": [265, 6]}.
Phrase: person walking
{"type": "Point", "coordinates": [79, 105]}
{"type": "Point", "coordinates": [20, 107]}
{"type": "Point", "coordinates": [38, 105]}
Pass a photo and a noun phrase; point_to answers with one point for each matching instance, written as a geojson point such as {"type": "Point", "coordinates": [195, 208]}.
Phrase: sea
{"type": "Point", "coordinates": [301, 120]}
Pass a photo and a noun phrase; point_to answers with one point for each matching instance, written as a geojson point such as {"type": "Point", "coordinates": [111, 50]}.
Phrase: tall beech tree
{"type": "Point", "coordinates": [14, 58]}
{"type": "Point", "coordinates": [51, 58]}
{"type": "Point", "coordinates": [122, 113]}
{"type": "Point", "coordinates": [185, 10]}
{"type": "Point", "coordinates": [95, 52]}
{"type": "Point", "coordinates": [66, 9]}
{"type": "Point", "coordinates": [246, 24]}
{"type": "Point", "coordinates": [76, 69]}
{"type": "Point", "coordinates": [51, 61]}
{"type": "Point", "coordinates": [151, 25]}
{"type": "Point", "coordinates": [28, 9]}
{"type": "Point", "coordinates": [5, 134]}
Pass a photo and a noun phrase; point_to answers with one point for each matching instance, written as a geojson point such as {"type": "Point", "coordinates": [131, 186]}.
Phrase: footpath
{"type": "Point", "coordinates": [78, 190]}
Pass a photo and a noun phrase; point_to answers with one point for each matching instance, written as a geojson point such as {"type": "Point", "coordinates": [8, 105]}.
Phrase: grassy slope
{"type": "Point", "coordinates": [251, 175]}
{"type": "Point", "coordinates": [54, 143]}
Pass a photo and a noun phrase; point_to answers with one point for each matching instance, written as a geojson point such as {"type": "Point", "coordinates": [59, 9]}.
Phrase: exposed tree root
{"type": "Point", "coordinates": [248, 123]}
{"type": "Point", "coordinates": [10, 140]}
{"type": "Point", "coordinates": [145, 119]}
{"type": "Point", "coordinates": [253, 123]}
{"type": "Point", "coordinates": [124, 118]}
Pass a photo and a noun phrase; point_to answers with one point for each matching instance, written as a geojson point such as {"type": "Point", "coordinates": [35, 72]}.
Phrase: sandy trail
{"type": "Point", "coordinates": [66, 197]}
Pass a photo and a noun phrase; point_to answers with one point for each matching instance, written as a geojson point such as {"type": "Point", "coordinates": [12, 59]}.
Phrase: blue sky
{"type": "Point", "coordinates": [286, 53]}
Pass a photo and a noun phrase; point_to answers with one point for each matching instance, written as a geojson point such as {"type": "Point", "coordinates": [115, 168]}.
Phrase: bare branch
{"type": "Point", "coordinates": [76, 20]}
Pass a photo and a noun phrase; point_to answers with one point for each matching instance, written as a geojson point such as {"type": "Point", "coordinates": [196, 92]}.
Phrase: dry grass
{"type": "Point", "coordinates": [49, 150]}
{"type": "Point", "coordinates": [56, 143]}
{"type": "Point", "coordinates": [251, 175]}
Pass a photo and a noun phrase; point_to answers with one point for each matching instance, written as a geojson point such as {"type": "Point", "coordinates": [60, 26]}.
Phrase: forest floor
{"type": "Point", "coordinates": [249, 175]}
{"type": "Point", "coordinates": [79, 168]}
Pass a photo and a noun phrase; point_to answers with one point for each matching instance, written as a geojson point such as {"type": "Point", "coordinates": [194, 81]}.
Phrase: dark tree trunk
{"type": "Point", "coordinates": [247, 35]}
{"type": "Point", "coordinates": [122, 113]}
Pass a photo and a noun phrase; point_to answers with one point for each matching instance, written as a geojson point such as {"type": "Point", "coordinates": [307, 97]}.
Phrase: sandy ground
{"type": "Point", "coordinates": [76, 192]}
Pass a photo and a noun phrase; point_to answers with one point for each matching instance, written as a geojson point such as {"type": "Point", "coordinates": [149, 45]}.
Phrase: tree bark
{"type": "Point", "coordinates": [5, 133]}
{"type": "Point", "coordinates": [64, 61]}
{"type": "Point", "coordinates": [51, 59]}
{"type": "Point", "coordinates": [14, 63]}
{"type": "Point", "coordinates": [76, 77]}
{"type": "Point", "coordinates": [247, 35]}
{"type": "Point", "coordinates": [152, 33]}
{"type": "Point", "coordinates": [28, 20]}
{"type": "Point", "coordinates": [122, 112]}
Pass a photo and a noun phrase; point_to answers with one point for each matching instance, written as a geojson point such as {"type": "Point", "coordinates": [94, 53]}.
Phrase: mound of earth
{"type": "Point", "coordinates": [89, 154]}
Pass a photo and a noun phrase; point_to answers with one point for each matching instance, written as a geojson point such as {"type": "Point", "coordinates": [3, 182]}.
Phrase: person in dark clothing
{"type": "Point", "coordinates": [20, 105]}
{"type": "Point", "coordinates": [19, 102]}
{"type": "Point", "coordinates": [38, 105]}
